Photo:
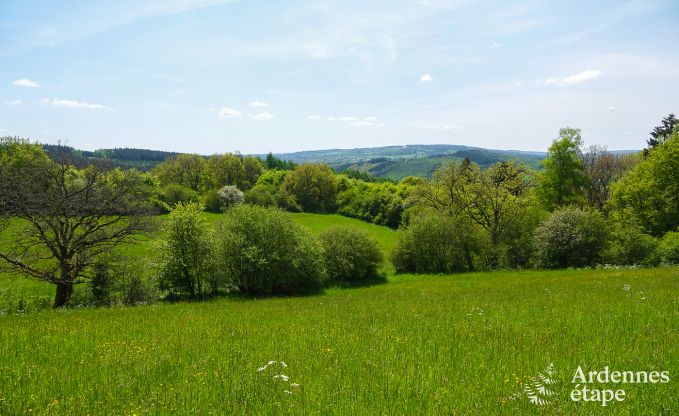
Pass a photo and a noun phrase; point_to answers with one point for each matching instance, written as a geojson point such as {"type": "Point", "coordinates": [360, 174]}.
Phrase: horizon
{"type": "Point", "coordinates": [217, 76]}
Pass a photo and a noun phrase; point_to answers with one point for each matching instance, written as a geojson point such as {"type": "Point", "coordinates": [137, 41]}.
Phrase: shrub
{"type": "Point", "coordinates": [570, 237]}
{"type": "Point", "coordinates": [174, 193]}
{"type": "Point", "coordinates": [187, 252]}
{"type": "Point", "coordinates": [229, 196]}
{"type": "Point", "coordinates": [668, 249]}
{"type": "Point", "coordinates": [350, 253]}
{"type": "Point", "coordinates": [434, 243]}
{"type": "Point", "coordinates": [629, 245]}
{"type": "Point", "coordinates": [122, 280]}
{"type": "Point", "coordinates": [265, 252]}
{"type": "Point", "coordinates": [211, 201]}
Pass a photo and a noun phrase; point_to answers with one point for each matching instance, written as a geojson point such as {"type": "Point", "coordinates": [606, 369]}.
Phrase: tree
{"type": "Point", "coordinates": [314, 186]}
{"type": "Point", "coordinates": [570, 237]}
{"type": "Point", "coordinates": [226, 169]}
{"type": "Point", "coordinates": [660, 133]}
{"type": "Point", "coordinates": [62, 219]}
{"type": "Point", "coordinates": [265, 252]}
{"type": "Point", "coordinates": [185, 169]}
{"type": "Point", "coordinates": [602, 168]}
{"type": "Point", "coordinates": [229, 196]}
{"type": "Point", "coordinates": [649, 193]}
{"type": "Point", "coordinates": [253, 169]}
{"type": "Point", "coordinates": [187, 252]}
{"type": "Point", "coordinates": [491, 199]}
{"type": "Point", "coordinates": [563, 180]}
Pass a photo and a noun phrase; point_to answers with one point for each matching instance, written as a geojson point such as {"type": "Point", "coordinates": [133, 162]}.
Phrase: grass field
{"type": "Point", "coordinates": [444, 344]}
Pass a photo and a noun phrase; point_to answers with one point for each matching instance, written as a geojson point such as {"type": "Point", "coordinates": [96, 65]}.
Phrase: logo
{"type": "Point", "coordinates": [603, 387]}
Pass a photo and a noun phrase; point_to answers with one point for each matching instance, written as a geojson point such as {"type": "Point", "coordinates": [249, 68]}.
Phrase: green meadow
{"type": "Point", "coordinates": [413, 344]}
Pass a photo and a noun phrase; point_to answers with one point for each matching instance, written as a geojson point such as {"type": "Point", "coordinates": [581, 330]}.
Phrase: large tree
{"type": "Point", "coordinates": [185, 169]}
{"type": "Point", "coordinates": [563, 180]}
{"type": "Point", "coordinates": [314, 187]}
{"type": "Point", "coordinates": [602, 169]}
{"type": "Point", "coordinates": [493, 199]}
{"type": "Point", "coordinates": [55, 220]}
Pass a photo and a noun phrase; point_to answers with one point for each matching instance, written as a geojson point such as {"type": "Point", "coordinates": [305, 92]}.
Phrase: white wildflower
{"type": "Point", "coordinates": [287, 392]}
{"type": "Point", "coordinates": [260, 369]}
{"type": "Point", "coordinates": [294, 385]}
{"type": "Point", "coordinates": [283, 364]}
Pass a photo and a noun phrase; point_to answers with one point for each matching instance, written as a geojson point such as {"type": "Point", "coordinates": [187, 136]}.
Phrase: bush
{"type": "Point", "coordinates": [229, 196]}
{"type": "Point", "coordinates": [630, 246]}
{"type": "Point", "coordinates": [433, 243]}
{"type": "Point", "coordinates": [313, 186]}
{"type": "Point", "coordinates": [265, 252]}
{"type": "Point", "coordinates": [350, 253]}
{"type": "Point", "coordinates": [668, 249]}
{"type": "Point", "coordinates": [211, 202]}
{"type": "Point", "coordinates": [570, 237]}
{"type": "Point", "coordinates": [173, 194]}
{"type": "Point", "coordinates": [122, 280]}
{"type": "Point", "coordinates": [187, 252]}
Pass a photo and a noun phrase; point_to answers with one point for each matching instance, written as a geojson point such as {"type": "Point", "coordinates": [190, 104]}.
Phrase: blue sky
{"type": "Point", "coordinates": [210, 76]}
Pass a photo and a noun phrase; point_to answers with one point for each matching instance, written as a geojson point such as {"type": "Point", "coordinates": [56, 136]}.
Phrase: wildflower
{"type": "Point", "coordinates": [271, 363]}
{"type": "Point", "coordinates": [283, 364]}
{"type": "Point", "coordinates": [287, 392]}
{"type": "Point", "coordinates": [260, 369]}
{"type": "Point", "coordinates": [294, 385]}
{"type": "Point", "coordinates": [284, 377]}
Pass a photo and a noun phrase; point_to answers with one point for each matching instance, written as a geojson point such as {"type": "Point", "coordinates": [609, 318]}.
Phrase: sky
{"type": "Point", "coordinates": [215, 76]}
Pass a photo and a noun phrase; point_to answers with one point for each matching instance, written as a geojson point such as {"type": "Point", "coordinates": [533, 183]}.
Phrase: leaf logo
{"type": "Point", "coordinates": [540, 391]}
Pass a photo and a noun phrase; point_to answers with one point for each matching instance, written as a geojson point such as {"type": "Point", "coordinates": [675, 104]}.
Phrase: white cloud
{"type": "Point", "coordinates": [495, 45]}
{"type": "Point", "coordinates": [353, 121]}
{"type": "Point", "coordinates": [610, 109]}
{"type": "Point", "coordinates": [57, 102]}
{"type": "Point", "coordinates": [229, 113]}
{"type": "Point", "coordinates": [14, 103]}
{"type": "Point", "coordinates": [26, 83]}
{"type": "Point", "coordinates": [426, 78]}
{"type": "Point", "coordinates": [574, 79]}
{"type": "Point", "coordinates": [262, 116]}
{"type": "Point", "coordinates": [258, 104]}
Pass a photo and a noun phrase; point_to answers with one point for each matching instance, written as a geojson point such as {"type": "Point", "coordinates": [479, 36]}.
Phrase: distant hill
{"type": "Point", "coordinates": [397, 162]}
{"type": "Point", "coordinates": [392, 162]}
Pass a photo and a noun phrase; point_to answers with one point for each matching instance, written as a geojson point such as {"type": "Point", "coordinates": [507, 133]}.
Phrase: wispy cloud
{"type": "Point", "coordinates": [495, 45]}
{"type": "Point", "coordinates": [610, 109]}
{"type": "Point", "coordinates": [574, 79]}
{"type": "Point", "coordinates": [426, 78]}
{"type": "Point", "coordinates": [58, 102]}
{"type": "Point", "coordinates": [26, 83]}
{"type": "Point", "coordinates": [262, 116]}
{"type": "Point", "coordinates": [14, 103]}
{"type": "Point", "coordinates": [259, 104]}
{"type": "Point", "coordinates": [227, 112]}
{"type": "Point", "coordinates": [369, 121]}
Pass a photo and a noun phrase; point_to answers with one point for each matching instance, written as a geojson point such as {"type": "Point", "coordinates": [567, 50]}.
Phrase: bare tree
{"type": "Point", "coordinates": [603, 168]}
{"type": "Point", "coordinates": [55, 219]}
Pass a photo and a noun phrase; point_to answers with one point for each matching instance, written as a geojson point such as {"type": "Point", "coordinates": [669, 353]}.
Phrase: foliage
{"type": "Point", "coordinates": [229, 196]}
{"type": "Point", "coordinates": [264, 252]}
{"type": "Point", "coordinates": [184, 169]}
{"type": "Point", "coordinates": [563, 180]}
{"type": "Point", "coordinates": [661, 133]}
{"type": "Point", "coordinates": [570, 237]}
{"type": "Point", "coordinates": [273, 162]}
{"type": "Point", "coordinates": [493, 199]}
{"type": "Point", "coordinates": [629, 245]}
{"type": "Point", "coordinates": [649, 193]}
{"type": "Point", "coordinates": [174, 193]}
{"type": "Point", "coordinates": [124, 280]}
{"type": "Point", "coordinates": [350, 253]}
{"type": "Point", "coordinates": [668, 249]}
{"type": "Point", "coordinates": [381, 203]}
{"type": "Point", "coordinates": [186, 253]}
{"type": "Point", "coordinates": [436, 243]}
{"type": "Point", "coordinates": [313, 186]}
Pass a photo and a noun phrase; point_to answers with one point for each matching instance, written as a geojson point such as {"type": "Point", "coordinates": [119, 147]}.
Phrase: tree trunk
{"type": "Point", "coordinates": [64, 291]}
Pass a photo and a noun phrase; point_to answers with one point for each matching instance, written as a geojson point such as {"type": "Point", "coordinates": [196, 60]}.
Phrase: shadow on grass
{"type": "Point", "coordinates": [350, 284]}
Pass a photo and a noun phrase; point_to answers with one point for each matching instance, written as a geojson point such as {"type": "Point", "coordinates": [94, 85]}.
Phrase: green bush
{"type": "Point", "coordinates": [570, 237]}
{"type": "Point", "coordinates": [174, 193]}
{"type": "Point", "coordinates": [264, 252]}
{"type": "Point", "coordinates": [186, 255]}
{"type": "Point", "coordinates": [211, 201]}
{"type": "Point", "coordinates": [122, 280]}
{"type": "Point", "coordinates": [350, 253]}
{"type": "Point", "coordinates": [629, 245]}
{"type": "Point", "coordinates": [433, 243]}
{"type": "Point", "coordinates": [668, 249]}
